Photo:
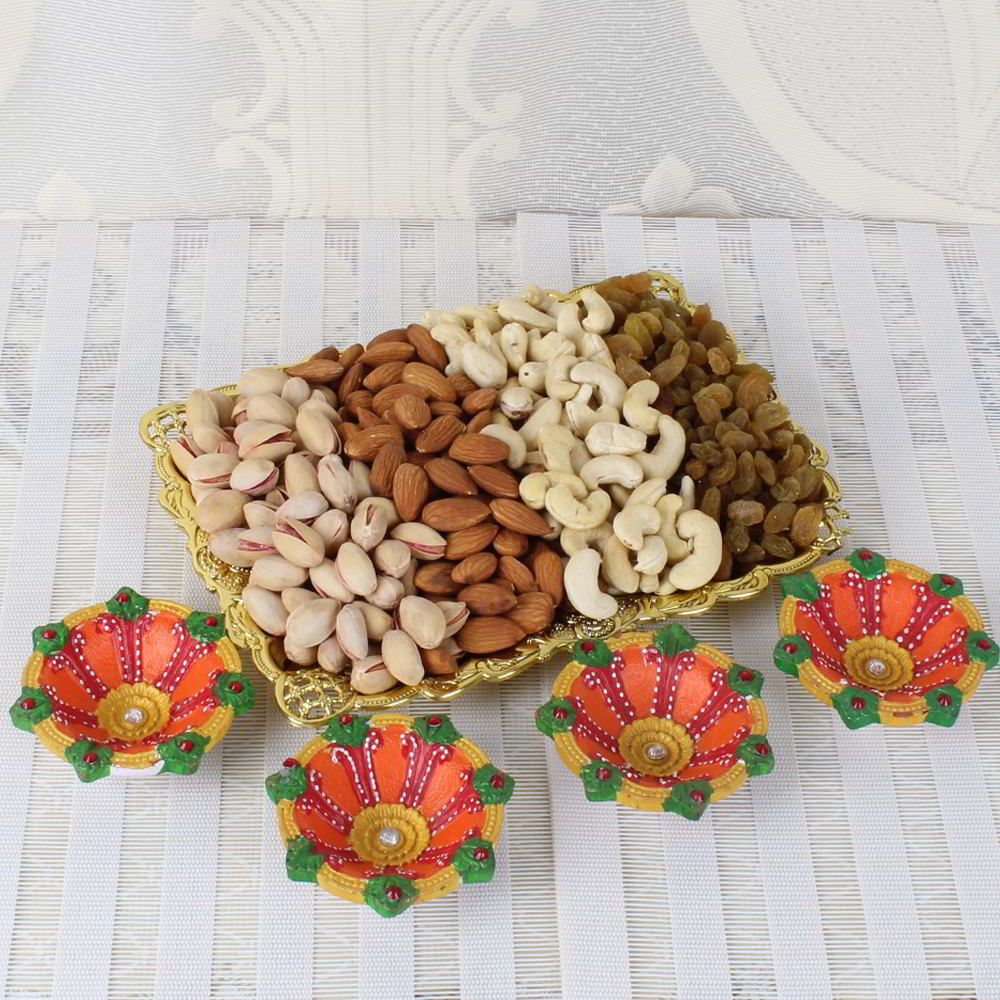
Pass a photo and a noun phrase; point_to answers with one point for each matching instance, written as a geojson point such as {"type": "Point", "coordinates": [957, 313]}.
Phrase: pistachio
{"type": "Point", "coordinates": [183, 451]}
{"type": "Point", "coordinates": [226, 447]}
{"type": "Point", "coordinates": [210, 438]}
{"type": "Point", "coordinates": [225, 404]}
{"type": "Point", "coordinates": [276, 497]}
{"type": "Point", "coordinates": [259, 380]}
{"type": "Point", "coordinates": [455, 615]}
{"type": "Point", "coordinates": [264, 440]}
{"type": "Point", "coordinates": [385, 505]}
{"type": "Point", "coordinates": [317, 432]}
{"type": "Point", "coordinates": [361, 475]}
{"type": "Point", "coordinates": [304, 507]}
{"type": "Point", "coordinates": [298, 543]}
{"type": "Point", "coordinates": [331, 657]}
{"type": "Point", "coordinates": [224, 545]}
{"type": "Point", "coordinates": [392, 557]}
{"type": "Point", "coordinates": [326, 581]}
{"type": "Point", "coordinates": [259, 514]}
{"type": "Point", "coordinates": [266, 609]}
{"type": "Point", "coordinates": [337, 483]}
{"type": "Point", "coordinates": [310, 623]}
{"type": "Point", "coordinates": [200, 410]}
{"type": "Point", "coordinates": [370, 676]}
{"type": "Point", "coordinates": [295, 391]}
{"type": "Point", "coordinates": [333, 527]}
{"type": "Point", "coordinates": [368, 527]}
{"type": "Point", "coordinates": [388, 593]}
{"type": "Point", "coordinates": [255, 543]}
{"type": "Point", "coordinates": [293, 597]}
{"type": "Point", "coordinates": [320, 405]}
{"type": "Point", "coordinates": [255, 476]}
{"type": "Point", "coordinates": [219, 510]}
{"type": "Point", "coordinates": [402, 657]}
{"type": "Point", "coordinates": [200, 492]}
{"type": "Point", "coordinates": [422, 541]}
{"type": "Point", "coordinates": [211, 470]}
{"type": "Point", "coordinates": [267, 406]}
{"type": "Point", "coordinates": [352, 632]}
{"type": "Point", "coordinates": [276, 573]}
{"type": "Point", "coordinates": [304, 656]}
{"type": "Point", "coordinates": [300, 474]}
{"type": "Point", "coordinates": [422, 620]}
{"type": "Point", "coordinates": [377, 621]}
{"type": "Point", "coordinates": [356, 569]}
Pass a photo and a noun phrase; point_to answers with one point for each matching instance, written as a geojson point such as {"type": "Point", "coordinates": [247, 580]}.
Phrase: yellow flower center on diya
{"type": "Point", "coordinates": [878, 663]}
{"type": "Point", "coordinates": [655, 746]}
{"type": "Point", "coordinates": [389, 834]}
{"type": "Point", "coordinates": [133, 711]}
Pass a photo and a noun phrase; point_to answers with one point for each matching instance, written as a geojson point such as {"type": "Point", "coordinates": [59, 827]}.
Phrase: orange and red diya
{"type": "Point", "coordinates": [390, 810]}
{"type": "Point", "coordinates": [658, 721]}
{"type": "Point", "coordinates": [883, 641]}
{"type": "Point", "coordinates": [130, 684]}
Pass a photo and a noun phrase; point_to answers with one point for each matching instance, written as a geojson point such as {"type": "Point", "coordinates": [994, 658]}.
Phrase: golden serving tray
{"type": "Point", "coordinates": [311, 696]}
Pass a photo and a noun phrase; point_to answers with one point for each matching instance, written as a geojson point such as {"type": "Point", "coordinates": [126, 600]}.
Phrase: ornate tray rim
{"type": "Point", "coordinates": [310, 697]}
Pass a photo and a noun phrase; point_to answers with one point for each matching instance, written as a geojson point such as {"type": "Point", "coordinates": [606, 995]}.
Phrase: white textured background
{"type": "Point", "coordinates": [866, 865]}
{"type": "Point", "coordinates": [480, 108]}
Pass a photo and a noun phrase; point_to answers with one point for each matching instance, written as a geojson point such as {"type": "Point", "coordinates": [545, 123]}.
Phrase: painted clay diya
{"type": "Point", "coordinates": [131, 684]}
{"type": "Point", "coordinates": [883, 641]}
{"type": "Point", "coordinates": [658, 721]}
{"type": "Point", "coordinates": [390, 810]}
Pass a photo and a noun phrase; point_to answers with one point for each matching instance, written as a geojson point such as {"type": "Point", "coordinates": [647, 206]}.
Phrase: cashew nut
{"type": "Point", "coordinates": [665, 458]}
{"type": "Point", "coordinates": [580, 514]}
{"type": "Point", "coordinates": [665, 587]}
{"type": "Point", "coordinates": [648, 582]}
{"type": "Point", "coordinates": [557, 380]}
{"type": "Point", "coordinates": [551, 345]}
{"type": "Point", "coordinates": [568, 321]}
{"type": "Point", "coordinates": [513, 343]}
{"type": "Point", "coordinates": [606, 438]}
{"type": "Point", "coordinates": [488, 315]}
{"type": "Point", "coordinates": [549, 412]}
{"type": "Point", "coordinates": [669, 507]}
{"type": "Point", "coordinates": [637, 410]}
{"type": "Point", "coordinates": [652, 557]}
{"type": "Point", "coordinates": [534, 296]}
{"type": "Point", "coordinates": [517, 402]}
{"type": "Point", "coordinates": [482, 336]}
{"type": "Point", "coordinates": [487, 370]}
{"type": "Point", "coordinates": [578, 455]}
{"type": "Point", "coordinates": [554, 443]}
{"type": "Point", "coordinates": [452, 338]}
{"type": "Point", "coordinates": [687, 493]}
{"type": "Point", "coordinates": [513, 440]}
{"type": "Point", "coordinates": [535, 485]}
{"type": "Point", "coordinates": [618, 570]}
{"type": "Point", "coordinates": [583, 588]}
{"type": "Point", "coordinates": [593, 348]}
{"type": "Point", "coordinates": [649, 492]}
{"type": "Point", "coordinates": [581, 417]}
{"type": "Point", "coordinates": [600, 318]}
{"type": "Point", "coordinates": [705, 537]}
{"type": "Point", "coordinates": [618, 469]}
{"type": "Point", "coordinates": [516, 311]}
{"type": "Point", "coordinates": [611, 389]}
{"type": "Point", "coordinates": [633, 523]}
{"type": "Point", "coordinates": [573, 540]}
{"type": "Point", "coordinates": [432, 317]}
{"type": "Point", "coordinates": [532, 375]}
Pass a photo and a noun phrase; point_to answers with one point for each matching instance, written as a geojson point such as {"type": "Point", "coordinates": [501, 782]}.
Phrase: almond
{"type": "Point", "coordinates": [441, 408]}
{"type": "Point", "coordinates": [469, 540]}
{"type": "Point", "coordinates": [519, 575]}
{"type": "Point", "coordinates": [352, 380]}
{"type": "Point", "coordinates": [428, 349]}
{"type": "Point", "coordinates": [548, 570]}
{"type": "Point", "coordinates": [438, 662]}
{"type": "Point", "coordinates": [455, 513]}
{"type": "Point", "coordinates": [479, 449]}
{"type": "Point", "coordinates": [366, 418]}
{"type": "Point", "coordinates": [418, 458]}
{"type": "Point", "coordinates": [463, 385]}
{"type": "Point", "coordinates": [410, 489]}
{"type": "Point", "coordinates": [518, 516]}
{"type": "Point", "coordinates": [316, 370]}
{"type": "Point", "coordinates": [351, 355]}
{"type": "Point", "coordinates": [439, 434]}
{"type": "Point", "coordinates": [510, 543]}
{"type": "Point", "coordinates": [475, 568]}
{"type": "Point", "coordinates": [360, 399]}
{"type": "Point", "coordinates": [435, 578]}
{"type": "Point", "coordinates": [329, 353]}
{"type": "Point", "coordinates": [482, 419]}
{"type": "Point", "coordinates": [495, 480]}
{"type": "Point", "coordinates": [451, 477]}
{"type": "Point", "coordinates": [366, 443]}
{"type": "Point", "coordinates": [533, 612]}
{"type": "Point", "coordinates": [379, 354]}
{"type": "Point", "coordinates": [347, 431]}
{"type": "Point", "coordinates": [411, 412]}
{"type": "Point", "coordinates": [387, 374]}
{"type": "Point", "coordinates": [488, 635]}
{"type": "Point", "coordinates": [386, 398]}
{"type": "Point", "coordinates": [481, 399]}
{"type": "Point", "coordinates": [397, 336]}
{"type": "Point", "coordinates": [437, 386]}
{"type": "Point", "coordinates": [487, 599]}
{"type": "Point", "coordinates": [390, 457]}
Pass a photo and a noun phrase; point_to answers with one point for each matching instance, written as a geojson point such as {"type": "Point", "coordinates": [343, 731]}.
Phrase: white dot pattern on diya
{"type": "Point", "coordinates": [609, 682]}
{"type": "Point", "coordinates": [75, 659]}
{"type": "Point", "coordinates": [316, 798]}
{"type": "Point", "coordinates": [456, 804]}
{"type": "Point", "coordinates": [923, 618]}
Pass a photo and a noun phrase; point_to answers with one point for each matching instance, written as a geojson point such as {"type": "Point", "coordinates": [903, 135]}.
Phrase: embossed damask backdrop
{"type": "Point", "coordinates": [447, 108]}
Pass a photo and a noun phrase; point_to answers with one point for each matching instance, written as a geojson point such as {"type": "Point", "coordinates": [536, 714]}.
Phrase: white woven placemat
{"type": "Point", "coordinates": [867, 865]}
